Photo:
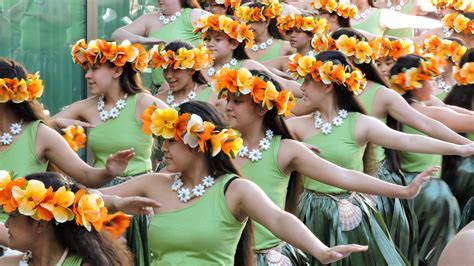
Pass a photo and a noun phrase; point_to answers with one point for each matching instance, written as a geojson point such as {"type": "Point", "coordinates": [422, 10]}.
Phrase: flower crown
{"type": "Point", "coordinates": [344, 10]}
{"type": "Point", "coordinates": [326, 72]}
{"type": "Point", "coordinates": [32, 198]}
{"type": "Point", "coordinates": [21, 90]}
{"type": "Point", "coordinates": [229, 3]}
{"type": "Point", "coordinates": [459, 23]}
{"type": "Point", "coordinates": [196, 58]}
{"type": "Point", "coordinates": [465, 74]}
{"type": "Point", "coordinates": [100, 51]}
{"type": "Point", "coordinates": [263, 92]}
{"type": "Point", "coordinates": [304, 23]}
{"type": "Point", "coordinates": [444, 48]}
{"type": "Point", "coordinates": [384, 47]}
{"type": "Point", "coordinates": [460, 5]}
{"type": "Point", "coordinates": [412, 78]}
{"type": "Point", "coordinates": [191, 129]}
{"type": "Point", "coordinates": [270, 9]}
{"type": "Point", "coordinates": [233, 28]}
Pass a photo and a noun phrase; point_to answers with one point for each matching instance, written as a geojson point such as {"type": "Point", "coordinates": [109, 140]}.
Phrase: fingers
{"type": "Point", "coordinates": [85, 125]}
{"type": "Point", "coordinates": [147, 202]}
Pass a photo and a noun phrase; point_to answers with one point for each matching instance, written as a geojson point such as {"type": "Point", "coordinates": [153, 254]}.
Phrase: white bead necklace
{"type": "Point", "coordinates": [262, 46]}
{"type": "Point", "coordinates": [326, 128]}
{"type": "Point", "coordinates": [397, 7]}
{"type": "Point", "coordinates": [256, 154]}
{"type": "Point", "coordinates": [170, 98]}
{"type": "Point", "coordinates": [211, 70]}
{"type": "Point", "coordinates": [7, 137]}
{"type": "Point", "coordinates": [184, 194]}
{"type": "Point", "coordinates": [114, 112]}
{"type": "Point", "coordinates": [363, 15]}
{"type": "Point", "coordinates": [165, 20]}
{"type": "Point", "coordinates": [442, 84]}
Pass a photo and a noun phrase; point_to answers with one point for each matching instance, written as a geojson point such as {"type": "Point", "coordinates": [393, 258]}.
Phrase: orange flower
{"type": "Point", "coordinates": [225, 79]}
{"type": "Point", "coordinates": [227, 141]}
{"type": "Point", "coordinates": [7, 200]}
{"type": "Point", "coordinates": [363, 53]}
{"type": "Point", "coordinates": [75, 137]}
{"type": "Point", "coordinates": [117, 223]}
{"type": "Point", "coordinates": [146, 119]}
{"type": "Point", "coordinates": [270, 95]}
{"type": "Point", "coordinates": [258, 90]}
{"type": "Point", "coordinates": [323, 42]}
{"type": "Point", "coordinates": [180, 126]}
{"type": "Point", "coordinates": [142, 59]}
{"type": "Point", "coordinates": [356, 81]}
{"type": "Point", "coordinates": [205, 135]}
{"type": "Point", "coordinates": [89, 210]}
{"type": "Point", "coordinates": [465, 75]}
{"type": "Point", "coordinates": [285, 102]}
{"type": "Point", "coordinates": [346, 44]}
{"type": "Point", "coordinates": [34, 86]}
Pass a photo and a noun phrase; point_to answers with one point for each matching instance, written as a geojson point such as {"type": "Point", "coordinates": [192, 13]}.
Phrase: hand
{"type": "Point", "coordinates": [118, 162]}
{"type": "Point", "coordinates": [417, 183]}
{"type": "Point", "coordinates": [336, 253]}
{"type": "Point", "coordinates": [312, 148]}
{"type": "Point", "coordinates": [136, 205]}
{"type": "Point", "coordinates": [467, 150]}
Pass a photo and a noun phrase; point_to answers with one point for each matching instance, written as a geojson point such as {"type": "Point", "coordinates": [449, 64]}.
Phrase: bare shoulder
{"type": "Point", "coordinates": [294, 122]}
{"type": "Point", "coordinates": [145, 99]}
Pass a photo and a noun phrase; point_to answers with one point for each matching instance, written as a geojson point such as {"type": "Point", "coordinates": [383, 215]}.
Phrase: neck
{"type": "Point", "coordinates": [46, 255]}
{"type": "Point", "coordinates": [328, 109]}
{"type": "Point", "coordinates": [171, 10]}
{"type": "Point", "coordinates": [113, 95]}
{"type": "Point", "coordinates": [362, 5]}
{"type": "Point", "coordinates": [219, 62]}
{"type": "Point", "coordinates": [448, 77]}
{"type": "Point", "coordinates": [259, 38]}
{"type": "Point", "coordinates": [253, 134]}
{"type": "Point", "coordinates": [183, 92]}
{"type": "Point", "coordinates": [304, 50]}
{"type": "Point", "coordinates": [193, 176]}
{"type": "Point", "coordinates": [7, 117]}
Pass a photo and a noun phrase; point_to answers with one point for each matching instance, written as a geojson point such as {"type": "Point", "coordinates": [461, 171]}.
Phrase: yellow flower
{"type": "Point", "coordinates": [346, 45]}
{"type": "Point", "coordinates": [467, 71]}
{"type": "Point", "coordinates": [244, 80]}
{"type": "Point", "coordinates": [90, 208]}
{"type": "Point", "coordinates": [411, 78]}
{"type": "Point", "coordinates": [60, 204]}
{"type": "Point", "coordinates": [5, 178]}
{"type": "Point", "coordinates": [270, 95]}
{"type": "Point", "coordinates": [227, 141]}
{"type": "Point", "coordinates": [363, 52]}
{"type": "Point", "coordinates": [162, 124]}
{"type": "Point", "coordinates": [184, 59]}
{"type": "Point", "coordinates": [308, 24]}
{"type": "Point", "coordinates": [30, 197]}
{"type": "Point", "coordinates": [460, 23]}
{"type": "Point", "coordinates": [305, 63]}
{"type": "Point", "coordinates": [194, 127]}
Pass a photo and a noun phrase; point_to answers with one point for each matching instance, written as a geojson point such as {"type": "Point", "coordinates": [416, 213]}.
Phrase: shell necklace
{"type": "Point", "coordinates": [256, 154]}
{"type": "Point", "coordinates": [326, 128]}
{"type": "Point", "coordinates": [211, 70]}
{"type": "Point", "coordinates": [184, 194]}
{"type": "Point", "coordinates": [442, 84]}
{"type": "Point", "coordinates": [114, 112]}
{"type": "Point", "coordinates": [262, 46]}
{"type": "Point", "coordinates": [170, 98]}
{"type": "Point", "coordinates": [7, 137]}
{"type": "Point", "coordinates": [397, 7]}
{"type": "Point", "coordinates": [165, 20]}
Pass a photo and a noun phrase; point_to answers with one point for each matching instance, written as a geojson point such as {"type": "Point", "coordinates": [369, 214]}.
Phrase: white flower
{"type": "Point", "coordinates": [198, 190]}
{"type": "Point", "coordinates": [233, 61]}
{"type": "Point", "coordinates": [208, 181]}
{"type": "Point", "coordinates": [169, 99]}
{"type": "Point", "coordinates": [100, 103]}
{"type": "Point", "coordinates": [211, 71]}
{"type": "Point", "coordinates": [104, 115]}
{"type": "Point", "coordinates": [162, 17]}
{"type": "Point", "coordinates": [255, 155]}
{"type": "Point", "coordinates": [337, 121]}
{"type": "Point", "coordinates": [318, 122]}
{"type": "Point", "coordinates": [15, 128]}
{"type": "Point", "coordinates": [264, 144]}
{"type": "Point", "coordinates": [269, 134]}
{"type": "Point", "coordinates": [269, 42]}
{"type": "Point", "coordinates": [220, 2]}
{"type": "Point", "coordinates": [174, 105]}
{"type": "Point", "coordinates": [342, 113]}
{"type": "Point", "coordinates": [227, 65]}
{"type": "Point", "coordinates": [263, 45]}
{"type": "Point", "coordinates": [191, 95]}
{"type": "Point", "coordinates": [326, 128]}
{"type": "Point", "coordinates": [184, 195]}
{"type": "Point", "coordinates": [195, 125]}
{"type": "Point", "coordinates": [120, 104]}
{"type": "Point", "coordinates": [114, 113]}
{"type": "Point", "coordinates": [166, 20]}
{"type": "Point", "coordinates": [255, 47]}
{"type": "Point", "coordinates": [311, 53]}
{"type": "Point", "coordinates": [177, 184]}
{"type": "Point", "coordinates": [6, 139]}
{"type": "Point", "coordinates": [243, 151]}
{"type": "Point", "coordinates": [178, 14]}
{"type": "Point", "coordinates": [173, 18]}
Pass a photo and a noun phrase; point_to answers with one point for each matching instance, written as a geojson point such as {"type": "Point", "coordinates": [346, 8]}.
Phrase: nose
{"type": "Point", "coordinates": [229, 106]}
{"type": "Point", "coordinates": [167, 73]}
{"type": "Point", "coordinates": [165, 146]}
{"type": "Point", "coordinates": [7, 222]}
{"type": "Point", "coordinates": [88, 74]}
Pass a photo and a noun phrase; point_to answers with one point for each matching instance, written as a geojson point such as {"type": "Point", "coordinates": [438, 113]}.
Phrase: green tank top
{"type": "Point", "coordinates": [266, 173]}
{"type": "Point", "coordinates": [470, 136]}
{"type": "Point", "coordinates": [203, 233]}
{"type": "Point", "coordinates": [181, 29]}
{"type": "Point", "coordinates": [340, 148]}
{"type": "Point", "coordinates": [441, 95]}
{"type": "Point", "coordinates": [272, 52]}
{"type": "Point", "coordinates": [72, 260]}
{"type": "Point", "coordinates": [417, 162]}
{"type": "Point", "coordinates": [367, 99]}
{"type": "Point", "coordinates": [123, 132]}
{"type": "Point", "coordinates": [372, 24]}
{"type": "Point", "coordinates": [24, 149]}
{"type": "Point", "coordinates": [205, 94]}
{"type": "Point", "coordinates": [403, 33]}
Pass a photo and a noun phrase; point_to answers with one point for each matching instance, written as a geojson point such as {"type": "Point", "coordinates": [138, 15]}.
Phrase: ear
{"type": "Point", "coordinates": [41, 226]}
{"type": "Point", "coordinates": [233, 44]}
{"type": "Point", "coordinates": [117, 72]}
{"type": "Point", "coordinates": [260, 111]}
{"type": "Point", "coordinates": [328, 88]}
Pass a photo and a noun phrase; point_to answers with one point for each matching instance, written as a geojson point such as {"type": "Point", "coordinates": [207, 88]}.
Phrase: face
{"type": "Point", "coordinates": [423, 93]}
{"type": "Point", "coordinates": [101, 77]}
{"type": "Point", "coordinates": [215, 8]}
{"type": "Point", "coordinates": [299, 39]}
{"type": "Point", "coordinates": [178, 78]}
{"type": "Point", "coordinates": [177, 155]}
{"type": "Point", "coordinates": [259, 28]}
{"type": "Point", "coordinates": [384, 65]}
{"type": "Point", "coordinates": [20, 231]}
{"type": "Point", "coordinates": [314, 93]}
{"type": "Point", "coordinates": [167, 5]}
{"type": "Point", "coordinates": [220, 44]}
{"type": "Point", "coordinates": [241, 111]}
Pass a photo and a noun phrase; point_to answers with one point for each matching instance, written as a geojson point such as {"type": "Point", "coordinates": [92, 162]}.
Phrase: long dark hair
{"type": "Point", "coordinates": [221, 165]}
{"type": "Point", "coordinates": [95, 248]}
{"type": "Point", "coordinates": [174, 46]}
{"type": "Point", "coordinates": [272, 25]}
{"type": "Point", "coordinates": [239, 53]}
{"type": "Point", "coordinates": [277, 124]}
{"type": "Point", "coordinates": [27, 111]}
{"type": "Point", "coordinates": [345, 99]}
{"type": "Point", "coordinates": [190, 4]}
{"type": "Point", "coordinates": [462, 96]}
{"type": "Point", "coordinates": [130, 80]}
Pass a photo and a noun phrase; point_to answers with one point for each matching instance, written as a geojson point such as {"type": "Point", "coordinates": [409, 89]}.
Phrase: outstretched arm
{"type": "Point", "coordinates": [390, 19]}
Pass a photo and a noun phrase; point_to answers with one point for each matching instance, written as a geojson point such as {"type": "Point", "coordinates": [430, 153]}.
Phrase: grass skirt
{"type": "Point", "coordinates": [137, 233]}
{"type": "Point", "coordinates": [399, 216]}
{"type": "Point", "coordinates": [320, 213]}
{"type": "Point", "coordinates": [462, 183]}
{"type": "Point", "coordinates": [296, 256]}
{"type": "Point", "coordinates": [438, 216]}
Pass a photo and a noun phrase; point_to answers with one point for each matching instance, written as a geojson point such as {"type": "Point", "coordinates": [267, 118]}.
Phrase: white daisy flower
{"type": "Point", "coordinates": [255, 155]}
{"type": "Point", "coordinates": [208, 181]}
{"type": "Point", "coordinates": [233, 61]}
{"type": "Point", "coordinates": [162, 17]}
{"type": "Point", "coordinates": [100, 103]}
{"type": "Point", "coordinates": [263, 46]}
{"type": "Point", "coordinates": [255, 47]}
{"type": "Point", "coordinates": [169, 99]}
{"type": "Point", "coordinates": [178, 14]}
{"type": "Point", "coordinates": [342, 113]}
{"type": "Point", "coordinates": [211, 71]}
{"type": "Point", "coordinates": [191, 95]}
{"type": "Point", "coordinates": [184, 195]}
{"type": "Point", "coordinates": [337, 121]}
{"type": "Point", "coordinates": [15, 128]}
{"type": "Point", "coordinates": [311, 53]}
{"type": "Point", "coordinates": [177, 184]}
{"type": "Point", "coordinates": [104, 115]}
{"type": "Point", "coordinates": [243, 151]}
{"type": "Point", "coordinates": [120, 104]}
{"type": "Point", "coordinates": [173, 18]}
{"type": "Point", "coordinates": [114, 113]}
{"type": "Point", "coordinates": [269, 42]}
{"type": "Point", "coordinates": [318, 122]}
{"type": "Point", "coordinates": [226, 65]}
{"type": "Point", "coordinates": [174, 105]}
{"type": "Point", "coordinates": [199, 190]}
{"type": "Point", "coordinates": [264, 144]}
{"type": "Point", "coordinates": [6, 139]}
{"type": "Point", "coordinates": [326, 128]}
{"type": "Point", "coordinates": [269, 134]}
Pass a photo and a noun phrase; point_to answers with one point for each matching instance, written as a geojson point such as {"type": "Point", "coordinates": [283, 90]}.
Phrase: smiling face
{"type": "Point", "coordinates": [220, 45]}
{"type": "Point", "coordinates": [178, 79]}
{"type": "Point", "coordinates": [102, 77]}
{"type": "Point", "coordinates": [242, 112]}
